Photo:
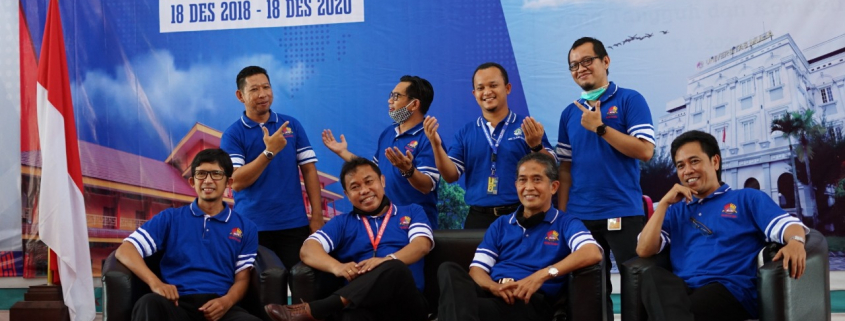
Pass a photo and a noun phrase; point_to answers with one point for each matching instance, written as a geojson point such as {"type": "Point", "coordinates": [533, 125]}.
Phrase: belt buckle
{"type": "Point", "coordinates": [496, 210]}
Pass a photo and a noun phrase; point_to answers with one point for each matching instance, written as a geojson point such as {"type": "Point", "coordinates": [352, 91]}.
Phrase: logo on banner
{"type": "Point", "coordinates": [552, 238]}
{"type": "Point", "coordinates": [405, 222]}
{"type": "Point", "coordinates": [236, 234]}
{"type": "Point", "coordinates": [729, 210]}
{"type": "Point", "coordinates": [412, 145]}
{"type": "Point", "coordinates": [613, 112]}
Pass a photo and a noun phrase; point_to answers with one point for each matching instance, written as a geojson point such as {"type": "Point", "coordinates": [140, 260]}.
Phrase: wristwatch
{"type": "Point", "coordinates": [269, 154]}
{"type": "Point", "coordinates": [407, 174]}
{"type": "Point", "coordinates": [797, 238]}
{"type": "Point", "coordinates": [391, 255]}
{"type": "Point", "coordinates": [537, 148]}
{"type": "Point", "coordinates": [601, 130]}
{"type": "Point", "coordinates": [553, 272]}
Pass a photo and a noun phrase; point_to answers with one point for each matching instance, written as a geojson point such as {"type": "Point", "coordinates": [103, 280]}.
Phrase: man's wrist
{"type": "Point", "coordinates": [408, 173]}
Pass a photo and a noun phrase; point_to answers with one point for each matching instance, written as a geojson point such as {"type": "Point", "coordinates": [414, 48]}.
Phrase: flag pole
{"type": "Point", "coordinates": [49, 269]}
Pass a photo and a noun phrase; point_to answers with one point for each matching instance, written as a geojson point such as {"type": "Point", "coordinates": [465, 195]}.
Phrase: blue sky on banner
{"type": "Point", "coordinates": [655, 63]}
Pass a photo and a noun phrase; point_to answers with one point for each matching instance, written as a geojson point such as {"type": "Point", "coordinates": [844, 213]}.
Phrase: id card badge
{"type": "Point", "coordinates": [614, 224]}
{"type": "Point", "coordinates": [492, 185]}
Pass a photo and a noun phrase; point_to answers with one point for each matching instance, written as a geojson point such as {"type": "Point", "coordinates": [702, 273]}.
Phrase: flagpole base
{"type": "Point", "coordinates": [41, 302]}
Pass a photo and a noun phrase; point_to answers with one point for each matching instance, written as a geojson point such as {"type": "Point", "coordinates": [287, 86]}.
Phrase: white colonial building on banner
{"type": "Point", "coordinates": [736, 94]}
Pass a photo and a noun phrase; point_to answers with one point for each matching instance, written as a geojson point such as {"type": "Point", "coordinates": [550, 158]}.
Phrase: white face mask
{"type": "Point", "coordinates": [402, 114]}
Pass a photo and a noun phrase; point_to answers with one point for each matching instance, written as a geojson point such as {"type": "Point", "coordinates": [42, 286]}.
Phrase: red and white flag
{"type": "Point", "coordinates": [61, 216]}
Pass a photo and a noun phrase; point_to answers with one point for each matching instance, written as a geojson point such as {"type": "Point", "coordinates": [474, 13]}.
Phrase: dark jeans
{"type": "Point", "coordinates": [623, 243]}
{"type": "Point", "coordinates": [386, 293]}
{"type": "Point", "coordinates": [285, 243]}
{"type": "Point", "coordinates": [668, 298]}
{"type": "Point", "coordinates": [154, 307]}
{"type": "Point", "coordinates": [461, 299]}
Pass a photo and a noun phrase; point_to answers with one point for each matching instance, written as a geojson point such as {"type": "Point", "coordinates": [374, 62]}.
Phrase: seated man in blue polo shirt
{"type": "Point", "coordinates": [487, 149]}
{"type": "Point", "coordinates": [519, 269]}
{"type": "Point", "coordinates": [378, 248]}
{"type": "Point", "coordinates": [715, 233]}
{"type": "Point", "coordinates": [209, 251]}
{"type": "Point", "coordinates": [404, 153]}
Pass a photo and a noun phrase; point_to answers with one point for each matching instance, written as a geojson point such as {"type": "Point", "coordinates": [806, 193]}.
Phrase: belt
{"type": "Point", "coordinates": [495, 210]}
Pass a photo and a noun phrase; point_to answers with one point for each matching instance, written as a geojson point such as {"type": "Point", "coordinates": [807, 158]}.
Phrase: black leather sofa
{"type": "Point", "coordinates": [781, 298]}
{"type": "Point", "coordinates": [121, 288]}
{"type": "Point", "coordinates": [586, 291]}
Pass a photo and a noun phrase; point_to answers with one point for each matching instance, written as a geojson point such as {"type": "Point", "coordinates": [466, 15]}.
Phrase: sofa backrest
{"type": "Point", "coordinates": [449, 246]}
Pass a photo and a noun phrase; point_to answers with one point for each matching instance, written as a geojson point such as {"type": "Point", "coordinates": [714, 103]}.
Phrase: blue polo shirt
{"type": "Point", "coordinates": [274, 200]}
{"type": "Point", "coordinates": [345, 237]}
{"type": "Point", "coordinates": [202, 253]}
{"type": "Point", "coordinates": [471, 153]}
{"type": "Point", "coordinates": [741, 222]}
{"type": "Point", "coordinates": [605, 182]}
{"type": "Point", "coordinates": [512, 251]}
{"type": "Point", "coordinates": [398, 189]}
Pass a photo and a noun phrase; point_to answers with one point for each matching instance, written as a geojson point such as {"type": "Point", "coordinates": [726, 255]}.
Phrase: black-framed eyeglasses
{"type": "Point", "coordinates": [215, 175]}
{"type": "Point", "coordinates": [395, 95]}
{"type": "Point", "coordinates": [701, 227]}
{"type": "Point", "coordinates": [586, 62]}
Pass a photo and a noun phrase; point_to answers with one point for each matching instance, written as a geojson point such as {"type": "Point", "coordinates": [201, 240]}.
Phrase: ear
{"type": "Point", "coordinates": [229, 182]}
{"type": "Point", "coordinates": [191, 181]}
{"type": "Point", "coordinates": [382, 181]}
{"type": "Point", "coordinates": [606, 61]}
{"type": "Point", "coordinates": [716, 161]}
{"type": "Point", "coordinates": [555, 186]}
{"type": "Point", "coordinates": [508, 87]}
{"type": "Point", "coordinates": [240, 95]}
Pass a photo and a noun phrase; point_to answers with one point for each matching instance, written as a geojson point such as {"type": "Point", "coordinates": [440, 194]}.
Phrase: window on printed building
{"type": "Point", "coordinates": [827, 95]}
{"type": "Point", "coordinates": [748, 130]}
{"type": "Point", "coordinates": [773, 78]}
{"type": "Point", "coordinates": [746, 87]}
{"type": "Point", "coordinates": [719, 97]}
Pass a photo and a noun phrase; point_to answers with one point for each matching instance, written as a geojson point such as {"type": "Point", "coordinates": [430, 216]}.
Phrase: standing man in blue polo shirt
{"type": "Point", "coordinates": [404, 152]}
{"type": "Point", "coordinates": [715, 233]}
{"type": "Point", "coordinates": [488, 148]}
{"type": "Point", "coordinates": [209, 251]}
{"type": "Point", "coordinates": [519, 269]}
{"type": "Point", "coordinates": [602, 137]}
{"type": "Point", "coordinates": [266, 179]}
{"type": "Point", "coordinates": [378, 248]}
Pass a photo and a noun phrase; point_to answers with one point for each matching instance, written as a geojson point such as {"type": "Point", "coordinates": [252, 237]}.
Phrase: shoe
{"type": "Point", "coordinates": [296, 312]}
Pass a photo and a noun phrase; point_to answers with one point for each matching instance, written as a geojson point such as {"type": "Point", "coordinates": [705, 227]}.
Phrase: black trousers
{"type": "Point", "coordinates": [285, 243]}
{"type": "Point", "coordinates": [461, 299]}
{"type": "Point", "coordinates": [386, 293]}
{"type": "Point", "coordinates": [623, 243]}
{"type": "Point", "coordinates": [479, 217]}
{"type": "Point", "coordinates": [664, 298]}
{"type": "Point", "coordinates": [154, 307]}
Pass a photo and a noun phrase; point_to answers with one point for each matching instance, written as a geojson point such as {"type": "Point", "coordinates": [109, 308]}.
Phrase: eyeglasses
{"type": "Point", "coordinates": [395, 95]}
{"type": "Point", "coordinates": [586, 62]}
{"type": "Point", "coordinates": [215, 175]}
{"type": "Point", "coordinates": [701, 227]}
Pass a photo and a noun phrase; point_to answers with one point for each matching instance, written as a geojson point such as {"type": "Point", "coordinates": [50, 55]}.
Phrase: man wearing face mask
{"type": "Point", "coordinates": [602, 137]}
{"type": "Point", "coordinates": [404, 153]}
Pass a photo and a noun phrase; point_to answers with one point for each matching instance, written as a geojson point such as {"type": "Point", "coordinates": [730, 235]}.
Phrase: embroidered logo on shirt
{"type": "Point", "coordinates": [236, 234]}
{"type": "Point", "coordinates": [729, 210]}
{"type": "Point", "coordinates": [613, 112]}
{"type": "Point", "coordinates": [552, 238]}
{"type": "Point", "coordinates": [411, 146]}
{"type": "Point", "coordinates": [405, 222]}
{"type": "Point", "coordinates": [517, 132]}
{"type": "Point", "coordinates": [288, 133]}
{"type": "Point", "coordinates": [517, 135]}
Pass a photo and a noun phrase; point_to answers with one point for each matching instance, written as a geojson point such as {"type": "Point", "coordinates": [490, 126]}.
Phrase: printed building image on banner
{"type": "Point", "coordinates": [153, 82]}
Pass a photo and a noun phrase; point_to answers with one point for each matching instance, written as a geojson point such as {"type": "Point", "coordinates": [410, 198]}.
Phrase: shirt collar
{"type": "Point", "coordinates": [249, 123]}
{"type": "Point", "coordinates": [607, 95]}
{"type": "Point", "coordinates": [393, 207]}
{"type": "Point", "coordinates": [413, 131]}
{"type": "Point", "coordinates": [550, 216]}
{"type": "Point", "coordinates": [724, 188]}
{"type": "Point", "coordinates": [509, 120]}
{"type": "Point", "coordinates": [223, 216]}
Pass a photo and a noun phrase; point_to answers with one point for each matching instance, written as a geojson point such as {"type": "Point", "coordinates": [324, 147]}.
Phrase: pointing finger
{"type": "Point", "coordinates": [581, 107]}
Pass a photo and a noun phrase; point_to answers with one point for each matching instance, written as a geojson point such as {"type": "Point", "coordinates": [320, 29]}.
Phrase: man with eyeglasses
{"type": "Point", "coordinates": [266, 180]}
{"type": "Point", "coordinates": [715, 233]}
{"type": "Point", "coordinates": [487, 149]}
{"type": "Point", "coordinates": [404, 153]}
{"type": "Point", "coordinates": [209, 250]}
{"type": "Point", "coordinates": [602, 137]}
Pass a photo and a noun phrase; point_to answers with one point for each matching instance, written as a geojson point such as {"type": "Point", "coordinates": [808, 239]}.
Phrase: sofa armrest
{"type": "Point", "coordinates": [268, 283]}
{"type": "Point", "coordinates": [783, 298]}
{"type": "Point", "coordinates": [121, 289]}
{"type": "Point", "coordinates": [587, 293]}
{"type": "Point", "coordinates": [630, 271]}
{"type": "Point", "coordinates": [309, 284]}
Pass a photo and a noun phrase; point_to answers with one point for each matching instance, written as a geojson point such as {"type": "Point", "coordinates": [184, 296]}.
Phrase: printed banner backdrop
{"type": "Point", "coordinates": [11, 257]}
{"type": "Point", "coordinates": [153, 81]}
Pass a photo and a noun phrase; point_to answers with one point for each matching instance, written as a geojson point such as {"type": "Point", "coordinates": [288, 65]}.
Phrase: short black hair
{"type": "Point", "coordinates": [598, 48]}
{"type": "Point", "coordinates": [487, 65]}
{"type": "Point", "coordinates": [214, 156]}
{"type": "Point", "coordinates": [249, 71]}
{"type": "Point", "coordinates": [352, 165]}
{"type": "Point", "coordinates": [708, 144]}
{"type": "Point", "coordinates": [547, 161]}
{"type": "Point", "coordinates": [421, 89]}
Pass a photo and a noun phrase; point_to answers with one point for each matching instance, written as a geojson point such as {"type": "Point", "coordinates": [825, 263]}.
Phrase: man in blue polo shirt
{"type": "Point", "coordinates": [488, 148]}
{"type": "Point", "coordinates": [519, 269]}
{"type": "Point", "coordinates": [378, 248]}
{"type": "Point", "coordinates": [601, 139]}
{"type": "Point", "coordinates": [715, 234]}
{"type": "Point", "coordinates": [209, 251]}
{"type": "Point", "coordinates": [266, 179]}
{"type": "Point", "coordinates": [404, 153]}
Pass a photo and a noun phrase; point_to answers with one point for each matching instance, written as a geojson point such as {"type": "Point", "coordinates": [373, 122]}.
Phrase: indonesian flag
{"type": "Point", "coordinates": [61, 221]}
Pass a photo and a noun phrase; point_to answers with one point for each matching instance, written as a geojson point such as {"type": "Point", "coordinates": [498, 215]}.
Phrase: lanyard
{"type": "Point", "coordinates": [375, 241]}
{"type": "Point", "coordinates": [495, 147]}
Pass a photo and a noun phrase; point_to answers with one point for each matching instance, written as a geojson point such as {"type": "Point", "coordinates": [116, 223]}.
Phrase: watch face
{"type": "Point", "coordinates": [553, 271]}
